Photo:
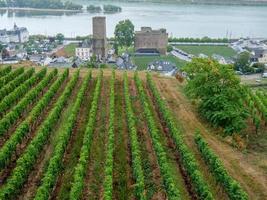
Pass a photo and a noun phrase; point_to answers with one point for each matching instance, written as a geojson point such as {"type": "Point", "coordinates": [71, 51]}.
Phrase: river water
{"type": "Point", "coordinates": [179, 20]}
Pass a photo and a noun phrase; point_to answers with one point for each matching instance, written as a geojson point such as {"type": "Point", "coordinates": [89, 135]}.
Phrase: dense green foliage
{"type": "Point", "coordinates": [217, 90]}
{"type": "Point", "coordinates": [81, 167]}
{"type": "Point", "coordinates": [108, 182]}
{"type": "Point", "coordinates": [9, 77]}
{"type": "Point", "coordinates": [55, 162]}
{"type": "Point", "coordinates": [94, 9]}
{"type": "Point", "coordinates": [200, 40]}
{"type": "Point", "coordinates": [24, 128]}
{"type": "Point", "coordinates": [232, 187]}
{"type": "Point", "coordinates": [5, 71]}
{"type": "Point", "coordinates": [172, 192]}
{"type": "Point", "coordinates": [257, 103]}
{"type": "Point", "coordinates": [11, 86]}
{"type": "Point", "coordinates": [188, 160]}
{"type": "Point", "coordinates": [46, 4]}
{"type": "Point", "coordinates": [124, 33]}
{"type": "Point", "coordinates": [242, 62]}
{"type": "Point", "coordinates": [111, 8]}
{"type": "Point", "coordinates": [138, 171]}
{"type": "Point", "coordinates": [21, 90]}
{"type": "Point", "coordinates": [27, 160]}
{"type": "Point", "coordinates": [11, 117]}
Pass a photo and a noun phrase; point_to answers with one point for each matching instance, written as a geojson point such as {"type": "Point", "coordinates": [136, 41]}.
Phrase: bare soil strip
{"type": "Point", "coordinates": [122, 172]}
{"type": "Point", "coordinates": [29, 188]}
{"type": "Point", "coordinates": [153, 179]}
{"type": "Point", "coordinates": [71, 157]}
{"type": "Point", "coordinates": [241, 166]}
{"type": "Point", "coordinates": [95, 176]}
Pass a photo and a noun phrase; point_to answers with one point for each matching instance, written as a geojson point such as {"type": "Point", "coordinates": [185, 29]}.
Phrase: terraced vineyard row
{"type": "Point", "coordinates": [93, 134]}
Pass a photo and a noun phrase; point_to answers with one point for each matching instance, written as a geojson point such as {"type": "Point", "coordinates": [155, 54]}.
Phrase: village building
{"type": "Point", "coordinates": [16, 35]}
{"type": "Point", "coordinates": [84, 51]}
{"type": "Point", "coordinates": [148, 41]}
{"type": "Point", "coordinates": [259, 55]}
{"type": "Point", "coordinates": [124, 62]}
{"type": "Point", "coordinates": [164, 67]}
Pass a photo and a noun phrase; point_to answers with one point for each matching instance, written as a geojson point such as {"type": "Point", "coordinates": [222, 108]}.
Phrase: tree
{"type": "Point", "coordinates": [242, 62]}
{"type": "Point", "coordinates": [1, 47]}
{"type": "Point", "coordinates": [5, 53]}
{"type": "Point", "coordinates": [218, 92]}
{"type": "Point", "coordinates": [124, 33]}
{"type": "Point", "coordinates": [60, 37]}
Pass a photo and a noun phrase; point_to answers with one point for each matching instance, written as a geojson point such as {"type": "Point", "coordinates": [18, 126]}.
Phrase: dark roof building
{"type": "Point", "coordinates": [164, 67]}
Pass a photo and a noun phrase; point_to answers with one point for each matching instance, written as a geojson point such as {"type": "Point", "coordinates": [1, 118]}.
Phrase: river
{"type": "Point", "coordinates": [180, 20]}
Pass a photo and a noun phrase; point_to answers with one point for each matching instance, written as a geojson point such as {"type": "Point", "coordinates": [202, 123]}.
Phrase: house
{"type": "Point", "coordinates": [15, 35]}
{"type": "Point", "coordinates": [147, 38]}
{"type": "Point", "coordinates": [125, 62]}
{"type": "Point", "coordinates": [164, 67]}
{"type": "Point", "coordinates": [60, 62]}
{"type": "Point", "coordinates": [259, 55]}
{"type": "Point", "coordinates": [77, 63]}
{"type": "Point", "coordinates": [84, 51]}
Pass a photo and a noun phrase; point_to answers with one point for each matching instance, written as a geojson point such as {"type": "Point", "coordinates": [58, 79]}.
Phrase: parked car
{"type": "Point", "coordinates": [264, 75]}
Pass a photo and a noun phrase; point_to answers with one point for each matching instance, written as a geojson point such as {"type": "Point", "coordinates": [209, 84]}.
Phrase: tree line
{"type": "Point", "coordinates": [46, 4]}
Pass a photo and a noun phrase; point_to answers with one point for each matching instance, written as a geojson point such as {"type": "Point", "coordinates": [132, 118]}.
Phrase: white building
{"type": "Point", "coordinates": [16, 35]}
{"type": "Point", "coordinates": [84, 51]}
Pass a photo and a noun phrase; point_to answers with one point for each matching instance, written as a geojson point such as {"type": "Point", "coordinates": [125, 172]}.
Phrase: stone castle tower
{"type": "Point", "coordinates": [99, 38]}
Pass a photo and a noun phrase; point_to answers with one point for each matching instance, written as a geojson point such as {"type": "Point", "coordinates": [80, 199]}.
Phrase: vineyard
{"type": "Point", "coordinates": [106, 134]}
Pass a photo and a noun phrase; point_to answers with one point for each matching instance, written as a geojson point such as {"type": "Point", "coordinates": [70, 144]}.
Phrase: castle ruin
{"type": "Point", "coordinates": [153, 40]}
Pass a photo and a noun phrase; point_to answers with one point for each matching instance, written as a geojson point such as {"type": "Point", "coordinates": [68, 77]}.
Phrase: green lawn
{"type": "Point", "coordinates": [122, 50]}
{"type": "Point", "coordinates": [224, 51]}
{"type": "Point", "coordinates": [70, 49]}
{"type": "Point", "coordinates": [142, 61]}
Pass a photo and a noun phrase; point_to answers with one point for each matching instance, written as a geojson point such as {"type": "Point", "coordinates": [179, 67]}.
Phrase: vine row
{"type": "Point", "coordinates": [55, 162]}
{"type": "Point", "coordinates": [108, 181]}
{"type": "Point", "coordinates": [27, 160]}
{"type": "Point", "coordinates": [172, 192]}
{"type": "Point", "coordinates": [9, 77]}
{"type": "Point", "coordinates": [12, 97]}
{"type": "Point", "coordinates": [11, 86]}
{"type": "Point", "coordinates": [138, 171]}
{"type": "Point", "coordinates": [81, 167]}
{"type": "Point", "coordinates": [4, 71]}
{"type": "Point", "coordinates": [232, 187]}
{"type": "Point", "coordinates": [15, 113]}
{"type": "Point", "coordinates": [188, 160]}
{"type": "Point", "coordinates": [16, 138]}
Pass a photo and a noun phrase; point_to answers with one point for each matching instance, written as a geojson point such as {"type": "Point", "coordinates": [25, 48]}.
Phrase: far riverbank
{"type": "Point", "coordinates": [39, 9]}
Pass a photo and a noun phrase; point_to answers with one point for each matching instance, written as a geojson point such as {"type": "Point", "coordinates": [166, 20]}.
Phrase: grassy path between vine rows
{"type": "Point", "coordinates": [95, 173]}
{"type": "Point", "coordinates": [122, 173]}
